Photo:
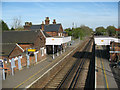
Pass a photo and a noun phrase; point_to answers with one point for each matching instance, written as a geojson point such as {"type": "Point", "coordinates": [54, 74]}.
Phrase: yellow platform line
{"type": "Point", "coordinates": [105, 76]}
{"type": "Point", "coordinates": [33, 75]}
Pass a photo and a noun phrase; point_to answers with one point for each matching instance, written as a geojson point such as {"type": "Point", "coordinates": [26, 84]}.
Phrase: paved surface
{"type": "Point", "coordinates": [103, 75]}
{"type": "Point", "coordinates": [23, 78]}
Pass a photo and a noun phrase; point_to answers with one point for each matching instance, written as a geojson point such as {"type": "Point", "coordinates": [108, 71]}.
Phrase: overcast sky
{"type": "Point", "coordinates": [92, 14]}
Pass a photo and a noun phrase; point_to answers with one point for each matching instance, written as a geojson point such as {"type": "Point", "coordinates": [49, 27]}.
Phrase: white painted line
{"type": "Point", "coordinates": [95, 73]}
{"type": "Point", "coordinates": [50, 69]}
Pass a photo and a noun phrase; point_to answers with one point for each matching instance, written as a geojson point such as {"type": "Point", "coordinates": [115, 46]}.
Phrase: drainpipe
{"type": "Point", "coordinates": [53, 52]}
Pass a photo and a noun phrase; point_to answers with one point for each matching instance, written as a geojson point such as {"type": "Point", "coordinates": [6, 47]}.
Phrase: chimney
{"type": "Point", "coordinates": [54, 21]}
{"type": "Point", "coordinates": [27, 25]}
{"type": "Point", "coordinates": [47, 21]}
{"type": "Point", "coordinates": [42, 25]}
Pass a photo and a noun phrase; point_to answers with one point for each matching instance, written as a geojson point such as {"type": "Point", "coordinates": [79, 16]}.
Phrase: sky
{"type": "Point", "coordinates": [92, 14]}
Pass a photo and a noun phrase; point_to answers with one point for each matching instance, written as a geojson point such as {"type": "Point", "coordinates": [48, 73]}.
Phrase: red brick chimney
{"type": "Point", "coordinates": [47, 20]}
{"type": "Point", "coordinates": [54, 21]}
{"type": "Point", "coordinates": [27, 25]}
{"type": "Point", "coordinates": [42, 25]}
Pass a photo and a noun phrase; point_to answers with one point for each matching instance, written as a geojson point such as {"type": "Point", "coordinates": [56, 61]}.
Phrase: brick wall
{"type": "Point", "coordinates": [52, 33]}
{"type": "Point", "coordinates": [115, 47]}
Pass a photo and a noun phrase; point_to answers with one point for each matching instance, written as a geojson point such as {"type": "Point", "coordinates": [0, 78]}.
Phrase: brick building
{"type": "Point", "coordinates": [53, 29]}
{"type": "Point", "coordinates": [14, 46]}
{"type": "Point", "coordinates": [115, 50]}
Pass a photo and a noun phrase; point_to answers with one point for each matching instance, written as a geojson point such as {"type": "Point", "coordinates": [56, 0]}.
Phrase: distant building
{"type": "Point", "coordinates": [115, 50]}
{"type": "Point", "coordinates": [53, 29]}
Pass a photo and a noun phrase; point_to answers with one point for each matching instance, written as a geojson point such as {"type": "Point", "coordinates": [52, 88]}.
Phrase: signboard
{"type": "Point", "coordinates": [31, 50]}
{"type": "Point", "coordinates": [114, 51]}
{"type": "Point", "coordinates": [102, 40]}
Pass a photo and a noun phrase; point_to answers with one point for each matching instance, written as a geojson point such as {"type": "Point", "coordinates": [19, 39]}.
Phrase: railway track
{"type": "Point", "coordinates": [69, 74]}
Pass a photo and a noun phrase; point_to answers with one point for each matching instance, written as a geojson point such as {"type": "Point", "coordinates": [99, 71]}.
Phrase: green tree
{"type": "Point", "coordinates": [111, 30]}
{"type": "Point", "coordinates": [12, 28]}
{"type": "Point", "coordinates": [100, 31]}
{"type": "Point", "coordinates": [79, 32]}
{"type": "Point", "coordinates": [69, 31]}
{"type": "Point", "coordinates": [4, 26]}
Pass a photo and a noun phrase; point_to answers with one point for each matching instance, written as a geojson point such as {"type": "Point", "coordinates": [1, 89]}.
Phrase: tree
{"type": "Point", "coordinates": [17, 23]}
{"type": "Point", "coordinates": [100, 31]}
{"type": "Point", "coordinates": [79, 32]}
{"type": "Point", "coordinates": [69, 31]}
{"type": "Point", "coordinates": [12, 28]}
{"type": "Point", "coordinates": [111, 30]}
{"type": "Point", "coordinates": [4, 26]}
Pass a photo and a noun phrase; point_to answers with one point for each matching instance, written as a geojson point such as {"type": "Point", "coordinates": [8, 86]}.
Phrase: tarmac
{"type": "Point", "coordinates": [104, 77]}
{"type": "Point", "coordinates": [26, 76]}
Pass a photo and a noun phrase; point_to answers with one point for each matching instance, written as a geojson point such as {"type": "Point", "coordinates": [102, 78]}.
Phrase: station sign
{"type": "Point", "coordinates": [31, 50]}
{"type": "Point", "coordinates": [102, 40]}
{"type": "Point", "coordinates": [114, 51]}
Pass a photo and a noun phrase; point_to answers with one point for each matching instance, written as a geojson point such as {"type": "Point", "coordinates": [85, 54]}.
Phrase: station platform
{"type": "Point", "coordinates": [104, 77]}
{"type": "Point", "coordinates": [23, 78]}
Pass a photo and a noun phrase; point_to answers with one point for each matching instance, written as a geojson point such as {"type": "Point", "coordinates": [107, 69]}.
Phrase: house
{"type": "Point", "coordinates": [51, 29]}
{"type": "Point", "coordinates": [54, 30]}
{"type": "Point", "coordinates": [15, 45]}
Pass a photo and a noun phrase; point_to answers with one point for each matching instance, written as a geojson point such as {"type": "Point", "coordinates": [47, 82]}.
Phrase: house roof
{"type": "Point", "coordinates": [10, 38]}
{"type": "Point", "coordinates": [47, 28]}
{"type": "Point", "coordinates": [7, 48]}
{"type": "Point", "coordinates": [19, 36]}
{"type": "Point", "coordinates": [47, 35]}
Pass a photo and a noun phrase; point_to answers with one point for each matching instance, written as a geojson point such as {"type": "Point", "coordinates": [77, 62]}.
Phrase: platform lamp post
{"type": "Point", "coordinates": [53, 52]}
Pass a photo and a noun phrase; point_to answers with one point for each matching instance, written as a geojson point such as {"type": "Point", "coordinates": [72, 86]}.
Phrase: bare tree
{"type": "Point", "coordinates": [17, 23]}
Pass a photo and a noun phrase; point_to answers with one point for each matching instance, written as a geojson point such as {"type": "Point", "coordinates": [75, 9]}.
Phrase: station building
{"type": "Point", "coordinates": [15, 45]}
{"type": "Point", "coordinates": [113, 43]}
{"type": "Point", "coordinates": [42, 39]}
{"type": "Point", "coordinates": [55, 31]}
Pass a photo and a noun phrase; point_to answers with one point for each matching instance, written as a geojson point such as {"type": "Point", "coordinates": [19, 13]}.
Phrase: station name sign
{"type": "Point", "coordinates": [31, 50]}
{"type": "Point", "coordinates": [114, 51]}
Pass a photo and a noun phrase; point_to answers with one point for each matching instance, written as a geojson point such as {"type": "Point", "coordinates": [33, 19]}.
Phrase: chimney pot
{"type": "Point", "coordinates": [54, 21]}
{"type": "Point", "coordinates": [42, 25]}
{"type": "Point", "coordinates": [47, 21]}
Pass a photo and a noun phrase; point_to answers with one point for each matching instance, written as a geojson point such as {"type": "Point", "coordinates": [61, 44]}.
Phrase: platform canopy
{"type": "Point", "coordinates": [57, 40]}
{"type": "Point", "coordinates": [105, 40]}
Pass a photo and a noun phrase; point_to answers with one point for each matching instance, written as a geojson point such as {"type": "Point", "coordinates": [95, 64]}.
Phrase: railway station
{"type": "Point", "coordinates": [44, 56]}
{"type": "Point", "coordinates": [104, 77]}
{"type": "Point", "coordinates": [84, 64]}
